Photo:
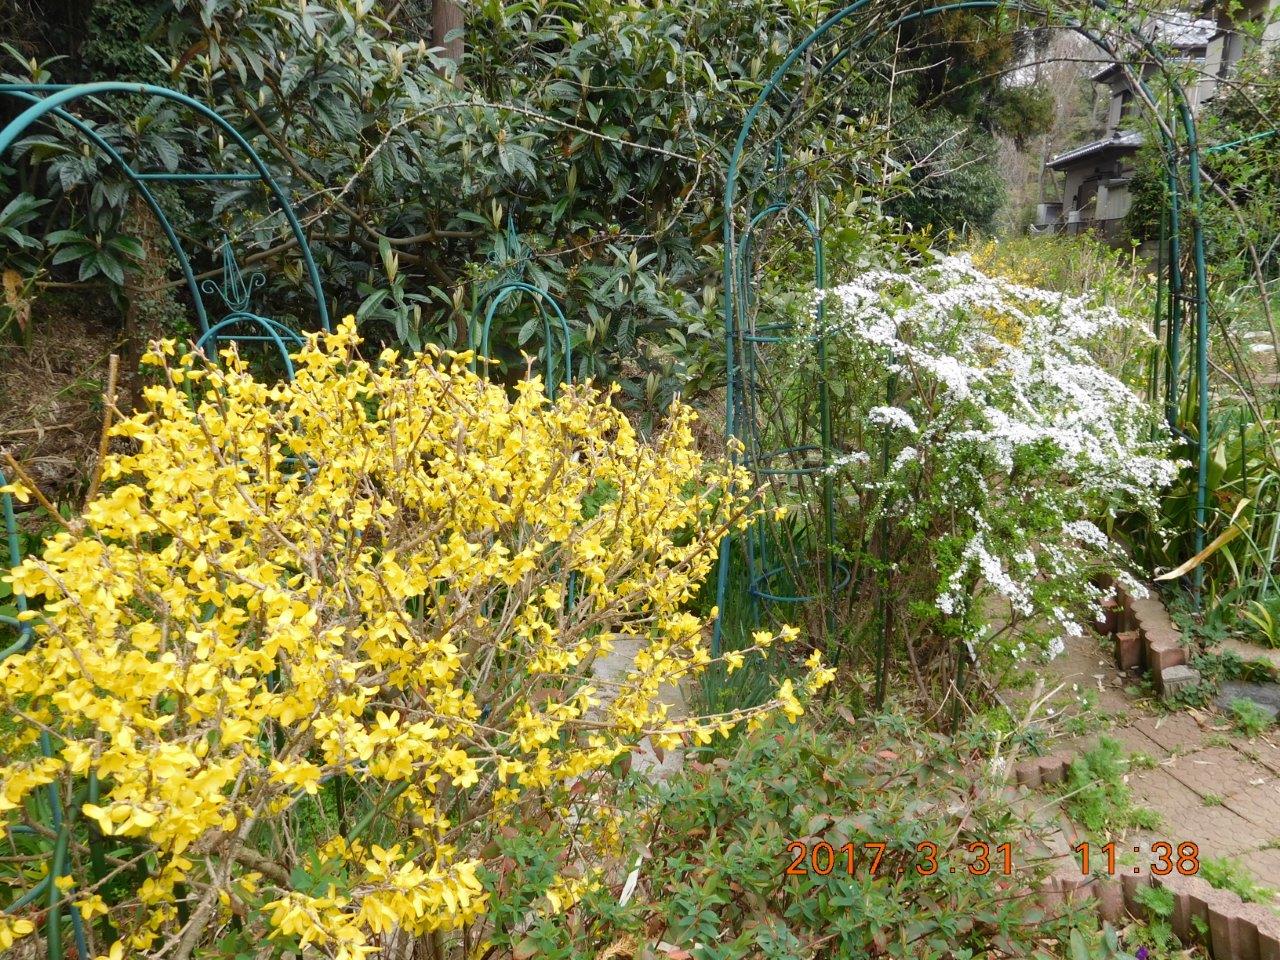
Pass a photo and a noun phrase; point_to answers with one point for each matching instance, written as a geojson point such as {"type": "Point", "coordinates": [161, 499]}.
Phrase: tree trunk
{"type": "Point", "coordinates": [446, 19]}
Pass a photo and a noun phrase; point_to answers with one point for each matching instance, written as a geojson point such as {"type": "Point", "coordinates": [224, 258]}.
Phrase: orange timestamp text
{"type": "Point", "coordinates": [1165, 858]}
{"type": "Point", "coordinates": [823, 858]}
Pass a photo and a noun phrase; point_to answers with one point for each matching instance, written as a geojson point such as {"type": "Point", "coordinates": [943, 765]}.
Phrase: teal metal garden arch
{"type": "Point", "coordinates": [740, 344]}
{"type": "Point", "coordinates": [52, 100]}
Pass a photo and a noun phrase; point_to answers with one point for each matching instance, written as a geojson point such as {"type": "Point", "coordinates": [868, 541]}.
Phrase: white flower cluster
{"type": "Point", "coordinates": [1010, 421]}
{"type": "Point", "coordinates": [893, 417]}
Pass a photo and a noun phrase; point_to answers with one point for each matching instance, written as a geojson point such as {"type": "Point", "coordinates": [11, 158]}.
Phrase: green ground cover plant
{"type": "Point", "coordinates": [712, 856]}
{"type": "Point", "coordinates": [1096, 794]}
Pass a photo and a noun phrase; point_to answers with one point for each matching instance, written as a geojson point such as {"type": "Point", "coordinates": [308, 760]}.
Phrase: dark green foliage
{"type": "Point", "coordinates": [712, 877]}
{"type": "Point", "coordinates": [601, 130]}
{"type": "Point", "coordinates": [116, 42]}
{"type": "Point", "coordinates": [965, 200]}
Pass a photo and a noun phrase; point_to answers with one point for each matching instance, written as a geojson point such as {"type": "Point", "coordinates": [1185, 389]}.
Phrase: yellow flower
{"type": "Point", "coordinates": [389, 577]}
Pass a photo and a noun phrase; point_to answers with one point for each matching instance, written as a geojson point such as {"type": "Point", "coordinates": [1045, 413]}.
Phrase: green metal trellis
{"type": "Point", "coordinates": [742, 340]}
{"type": "Point", "coordinates": [557, 364]}
{"type": "Point", "coordinates": [52, 100]}
{"type": "Point", "coordinates": [239, 324]}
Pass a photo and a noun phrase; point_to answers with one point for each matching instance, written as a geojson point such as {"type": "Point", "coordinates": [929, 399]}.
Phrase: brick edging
{"type": "Point", "coordinates": [1235, 930]}
{"type": "Point", "coordinates": [1146, 638]}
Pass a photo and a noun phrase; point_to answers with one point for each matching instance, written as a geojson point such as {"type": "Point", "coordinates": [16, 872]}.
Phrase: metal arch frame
{"type": "Point", "coordinates": [511, 280]}
{"type": "Point", "coordinates": [734, 299]}
{"type": "Point", "coordinates": [49, 99]}
{"type": "Point", "coordinates": [273, 331]}
{"type": "Point", "coordinates": [61, 826]}
{"type": "Point", "coordinates": [495, 299]}
{"type": "Point", "coordinates": [838, 575]}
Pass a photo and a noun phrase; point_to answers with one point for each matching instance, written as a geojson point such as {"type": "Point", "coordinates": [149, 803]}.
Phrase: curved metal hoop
{"type": "Point", "coordinates": [736, 286]}
{"type": "Point", "coordinates": [837, 575]}
{"type": "Point", "coordinates": [544, 300]}
{"type": "Point", "coordinates": [272, 331]}
{"type": "Point", "coordinates": [50, 99]}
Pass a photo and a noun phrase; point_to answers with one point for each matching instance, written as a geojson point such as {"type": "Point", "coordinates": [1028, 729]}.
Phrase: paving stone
{"type": "Point", "coordinates": [1218, 771]}
{"type": "Point", "coordinates": [1263, 864]}
{"type": "Point", "coordinates": [1265, 695]}
{"type": "Point", "coordinates": [1189, 771]}
{"type": "Point", "coordinates": [1262, 750]}
{"type": "Point", "coordinates": [1217, 830]}
{"type": "Point", "coordinates": [610, 669]}
{"type": "Point", "coordinates": [1052, 850]}
{"type": "Point", "coordinates": [1135, 741]}
{"type": "Point", "coordinates": [1177, 733]}
{"type": "Point", "coordinates": [1175, 678]}
{"type": "Point", "coordinates": [1251, 653]}
{"type": "Point", "coordinates": [1259, 805]}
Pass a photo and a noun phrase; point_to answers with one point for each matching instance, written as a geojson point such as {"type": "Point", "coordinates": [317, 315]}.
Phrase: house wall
{"type": "Point", "coordinates": [1228, 46]}
{"type": "Point", "coordinates": [1114, 200]}
{"type": "Point", "coordinates": [1074, 178]}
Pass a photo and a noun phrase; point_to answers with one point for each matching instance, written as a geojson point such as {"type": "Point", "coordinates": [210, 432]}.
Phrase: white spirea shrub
{"type": "Point", "coordinates": [1008, 448]}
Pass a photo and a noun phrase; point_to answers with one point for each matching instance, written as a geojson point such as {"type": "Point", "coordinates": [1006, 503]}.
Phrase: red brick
{"type": "Point", "coordinates": [1052, 770]}
{"type": "Point", "coordinates": [1132, 884]}
{"type": "Point", "coordinates": [1267, 927]}
{"type": "Point", "coordinates": [1150, 614]}
{"type": "Point", "coordinates": [1110, 622]}
{"type": "Point", "coordinates": [1163, 655]}
{"type": "Point", "coordinates": [1268, 944]}
{"type": "Point", "coordinates": [1075, 887]}
{"type": "Point", "coordinates": [1231, 935]}
{"type": "Point", "coordinates": [1199, 896]}
{"type": "Point", "coordinates": [1028, 773]}
{"type": "Point", "coordinates": [1110, 899]}
{"type": "Point", "coordinates": [1189, 898]}
{"type": "Point", "coordinates": [1128, 650]}
{"type": "Point", "coordinates": [1159, 635]}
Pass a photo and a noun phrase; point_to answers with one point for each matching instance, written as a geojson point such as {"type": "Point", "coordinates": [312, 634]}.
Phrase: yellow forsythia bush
{"type": "Point", "coordinates": [319, 642]}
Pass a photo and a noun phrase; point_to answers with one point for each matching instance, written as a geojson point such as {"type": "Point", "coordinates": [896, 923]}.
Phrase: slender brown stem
{"type": "Point", "coordinates": [104, 440]}
{"type": "Point", "coordinates": [35, 490]}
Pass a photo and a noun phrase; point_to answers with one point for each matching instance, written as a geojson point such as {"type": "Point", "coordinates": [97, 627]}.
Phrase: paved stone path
{"type": "Point", "coordinates": [644, 759]}
{"type": "Point", "coordinates": [1209, 785]}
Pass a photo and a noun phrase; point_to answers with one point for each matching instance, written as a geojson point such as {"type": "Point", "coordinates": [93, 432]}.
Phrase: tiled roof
{"type": "Point", "coordinates": [1180, 30]}
{"type": "Point", "coordinates": [1125, 140]}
